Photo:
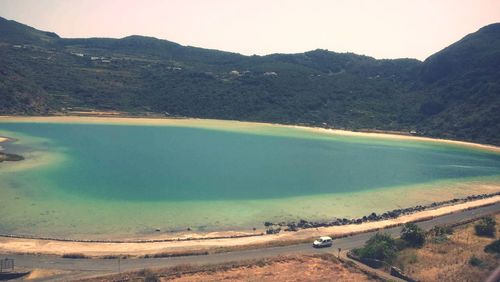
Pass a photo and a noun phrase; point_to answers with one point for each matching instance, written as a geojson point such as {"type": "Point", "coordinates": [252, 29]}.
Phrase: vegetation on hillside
{"type": "Point", "coordinates": [493, 247]}
{"type": "Point", "coordinates": [384, 247]}
{"type": "Point", "coordinates": [380, 247]}
{"type": "Point", "coordinates": [452, 94]}
{"type": "Point", "coordinates": [440, 254]}
{"type": "Point", "coordinates": [413, 235]}
{"type": "Point", "coordinates": [486, 227]}
{"type": "Point", "coordinates": [451, 254]}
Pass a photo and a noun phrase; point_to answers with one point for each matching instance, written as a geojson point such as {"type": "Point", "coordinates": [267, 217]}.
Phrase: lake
{"type": "Point", "coordinates": [109, 180]}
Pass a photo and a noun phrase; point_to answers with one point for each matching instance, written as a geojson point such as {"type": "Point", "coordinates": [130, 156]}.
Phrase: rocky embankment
{"type": "Point", "coordinates": [5, 157]}
{"type": "Point", "coordinates": [274, 228]}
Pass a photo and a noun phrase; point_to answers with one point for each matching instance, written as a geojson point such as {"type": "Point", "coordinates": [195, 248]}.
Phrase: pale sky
{"type": "Point", "coordinates": [377, 28]}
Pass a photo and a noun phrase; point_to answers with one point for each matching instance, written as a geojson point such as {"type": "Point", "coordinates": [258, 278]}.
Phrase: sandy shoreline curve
{"type": "Point", "coordinates": [43, 246]}
{"type": "Point", "coordinates": [97, 249]}
{"type": "Point", "coordinates": [230, 125]}
{"type": "Point", "coordinates": [4, 139]}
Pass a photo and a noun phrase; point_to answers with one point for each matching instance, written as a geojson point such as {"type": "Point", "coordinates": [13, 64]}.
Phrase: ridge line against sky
{"type": "Point", "coordinates": [381, 29]}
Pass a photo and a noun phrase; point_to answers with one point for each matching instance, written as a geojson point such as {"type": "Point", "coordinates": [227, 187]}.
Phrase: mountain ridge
{"type": "Point", "coordinates": [451, 94]}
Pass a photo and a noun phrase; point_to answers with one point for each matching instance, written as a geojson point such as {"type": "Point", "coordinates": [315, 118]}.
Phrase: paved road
{"type": "Point", "coordinates": [85, 267]}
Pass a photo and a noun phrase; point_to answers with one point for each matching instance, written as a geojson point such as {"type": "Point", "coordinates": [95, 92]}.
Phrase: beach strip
{"type": "Point", "coordinates": [236, 125]}
{"type": "Point", "coordinates": [21, 245]}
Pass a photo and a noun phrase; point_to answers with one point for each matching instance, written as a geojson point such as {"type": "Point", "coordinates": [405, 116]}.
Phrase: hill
{"type": "Point", "coordinates": [462, 87]}
{"type": "Point", "coordinates": [452, 94]}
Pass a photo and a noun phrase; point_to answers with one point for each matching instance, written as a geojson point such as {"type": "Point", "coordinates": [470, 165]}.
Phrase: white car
{"type": "Point", "coordinates": [323, 242]}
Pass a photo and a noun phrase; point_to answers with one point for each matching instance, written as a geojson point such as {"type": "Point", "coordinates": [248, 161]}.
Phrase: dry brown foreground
{"type": "Point", "coordinates": [444, 261]}
{"type": "Point", "coordinates": [287, 268]}
{"type": "Point", "coordinates": [96, 249]}
{"type": "Point", "coordinates": [449, 260]}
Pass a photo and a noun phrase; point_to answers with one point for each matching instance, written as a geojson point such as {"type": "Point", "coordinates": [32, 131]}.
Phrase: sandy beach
{"type": "Point", "coordinates": [230, 125]}
{"type": "Point", "coordinates": [15, 245]}
{"type": "Point", "coordinates": [405, 137]}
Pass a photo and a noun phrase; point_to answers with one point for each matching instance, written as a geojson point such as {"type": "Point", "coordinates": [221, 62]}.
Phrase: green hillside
{"type": "Point", "coordinates": [453, 94]}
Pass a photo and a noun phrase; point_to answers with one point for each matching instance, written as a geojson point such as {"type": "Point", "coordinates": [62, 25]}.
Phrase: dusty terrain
{"type": "Point", "coordinates": [289, 268]}
{"type": "Point", "coordinates": [449, 260]}
{"type": "Point", "coordinates": [36, 274]}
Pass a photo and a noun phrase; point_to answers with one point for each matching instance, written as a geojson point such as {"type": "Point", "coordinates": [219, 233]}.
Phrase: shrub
{"type": "Point", "coordinates": [474, 261]}
{"type": "Point", "coordinates": [441, 231]}
{"type": "Point", "coordinates": [486, 227]}
{"type": "Point", "coordinates": [179, 254]}
{"type": "Point", "coordinates": [74, 256]}
{"type": "Point", "coordinates": [400, 244]}
{"type": "Point", "coordinates": [150, 276]}
{"type": "Point", "coordinates": [380, 247]}
{"type": "Point", "coordinates": [413, 235]}
{"type": "Point", "coordinates": [111, 257]}
{"type": "Point", "coordinates": [493, 247]}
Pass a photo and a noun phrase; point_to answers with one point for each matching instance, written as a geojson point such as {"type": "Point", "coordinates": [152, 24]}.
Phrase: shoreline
{"type": "Point", "coordinates": [272, 228]}
{"type": "Point", "coordinates": [219, 239]}
{"type": "Point", "coordinates": [8, 157]}
{"type": "Point", "coordinates": [204, 245]}
{"type": "Point", "coordinates": [242, 125]}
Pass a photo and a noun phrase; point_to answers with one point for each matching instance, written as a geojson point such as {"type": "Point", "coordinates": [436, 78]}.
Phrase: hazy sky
{"type": "Point", "coordinates": [378, 28]}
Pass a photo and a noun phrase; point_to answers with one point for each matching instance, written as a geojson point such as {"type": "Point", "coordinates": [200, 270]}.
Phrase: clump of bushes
{"type": "Point", "coordinates": [441, 231]}
{"type": "Point", "coordinates": [149, 276]}
{"type": "Point", "coordinates": [474, 261]}
{"type": "Point", "coordinates": [493, 247]}
{"type": "Point", "coordinates": [385, 248]}
{"type": "Point", "coordinates": [413, 235]}
{"type": "Point", "coordinates": [74, 256]}
{"type": "Point", "coordinates": [439, 234]}
{"type": "Point", "coordinates": [486, 227]}
{"type": "Point", "coordinates": [115, 257]}
{"type": "Point", "coordinates": [380, 247]}
{"type": "Point", "coordinates": [179, 254]}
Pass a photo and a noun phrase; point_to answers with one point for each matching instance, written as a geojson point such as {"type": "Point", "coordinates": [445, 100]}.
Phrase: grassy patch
{"type": "Point", "coordinates": [459, 256]}
{"type": "Point", "coordinates": [179, 254]}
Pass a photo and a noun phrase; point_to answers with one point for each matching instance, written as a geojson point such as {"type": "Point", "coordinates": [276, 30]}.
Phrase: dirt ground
{"type": "Point", "coordinates": [36, 274]}
{"type": "Point", "coordinates": [287, 268]}
{"type": "Point", "coordinates": [449, 260]}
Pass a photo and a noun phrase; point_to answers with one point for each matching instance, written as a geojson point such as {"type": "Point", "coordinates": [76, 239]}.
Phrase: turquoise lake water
{"type": "Point", "coordinates": [130, 179]}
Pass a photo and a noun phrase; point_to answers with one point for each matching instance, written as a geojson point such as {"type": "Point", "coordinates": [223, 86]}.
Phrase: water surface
{"type": "Point", "coordinates": [123, 180]}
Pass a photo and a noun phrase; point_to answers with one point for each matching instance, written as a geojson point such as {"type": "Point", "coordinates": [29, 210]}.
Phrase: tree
{"type": "Point", "coordinates": [475, 261]}
{"type": "Point", "coordinates": [486, 227]}
{"type": "Point", "coordinates": [493, 247]}
{"type": "Point", "coordinates": [380, 247]}
{"type": "Point", "coordinates": [413, 235]}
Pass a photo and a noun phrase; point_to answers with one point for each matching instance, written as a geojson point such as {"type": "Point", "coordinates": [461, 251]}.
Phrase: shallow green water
{"type": "Point", "coordinates": [129, 179]}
